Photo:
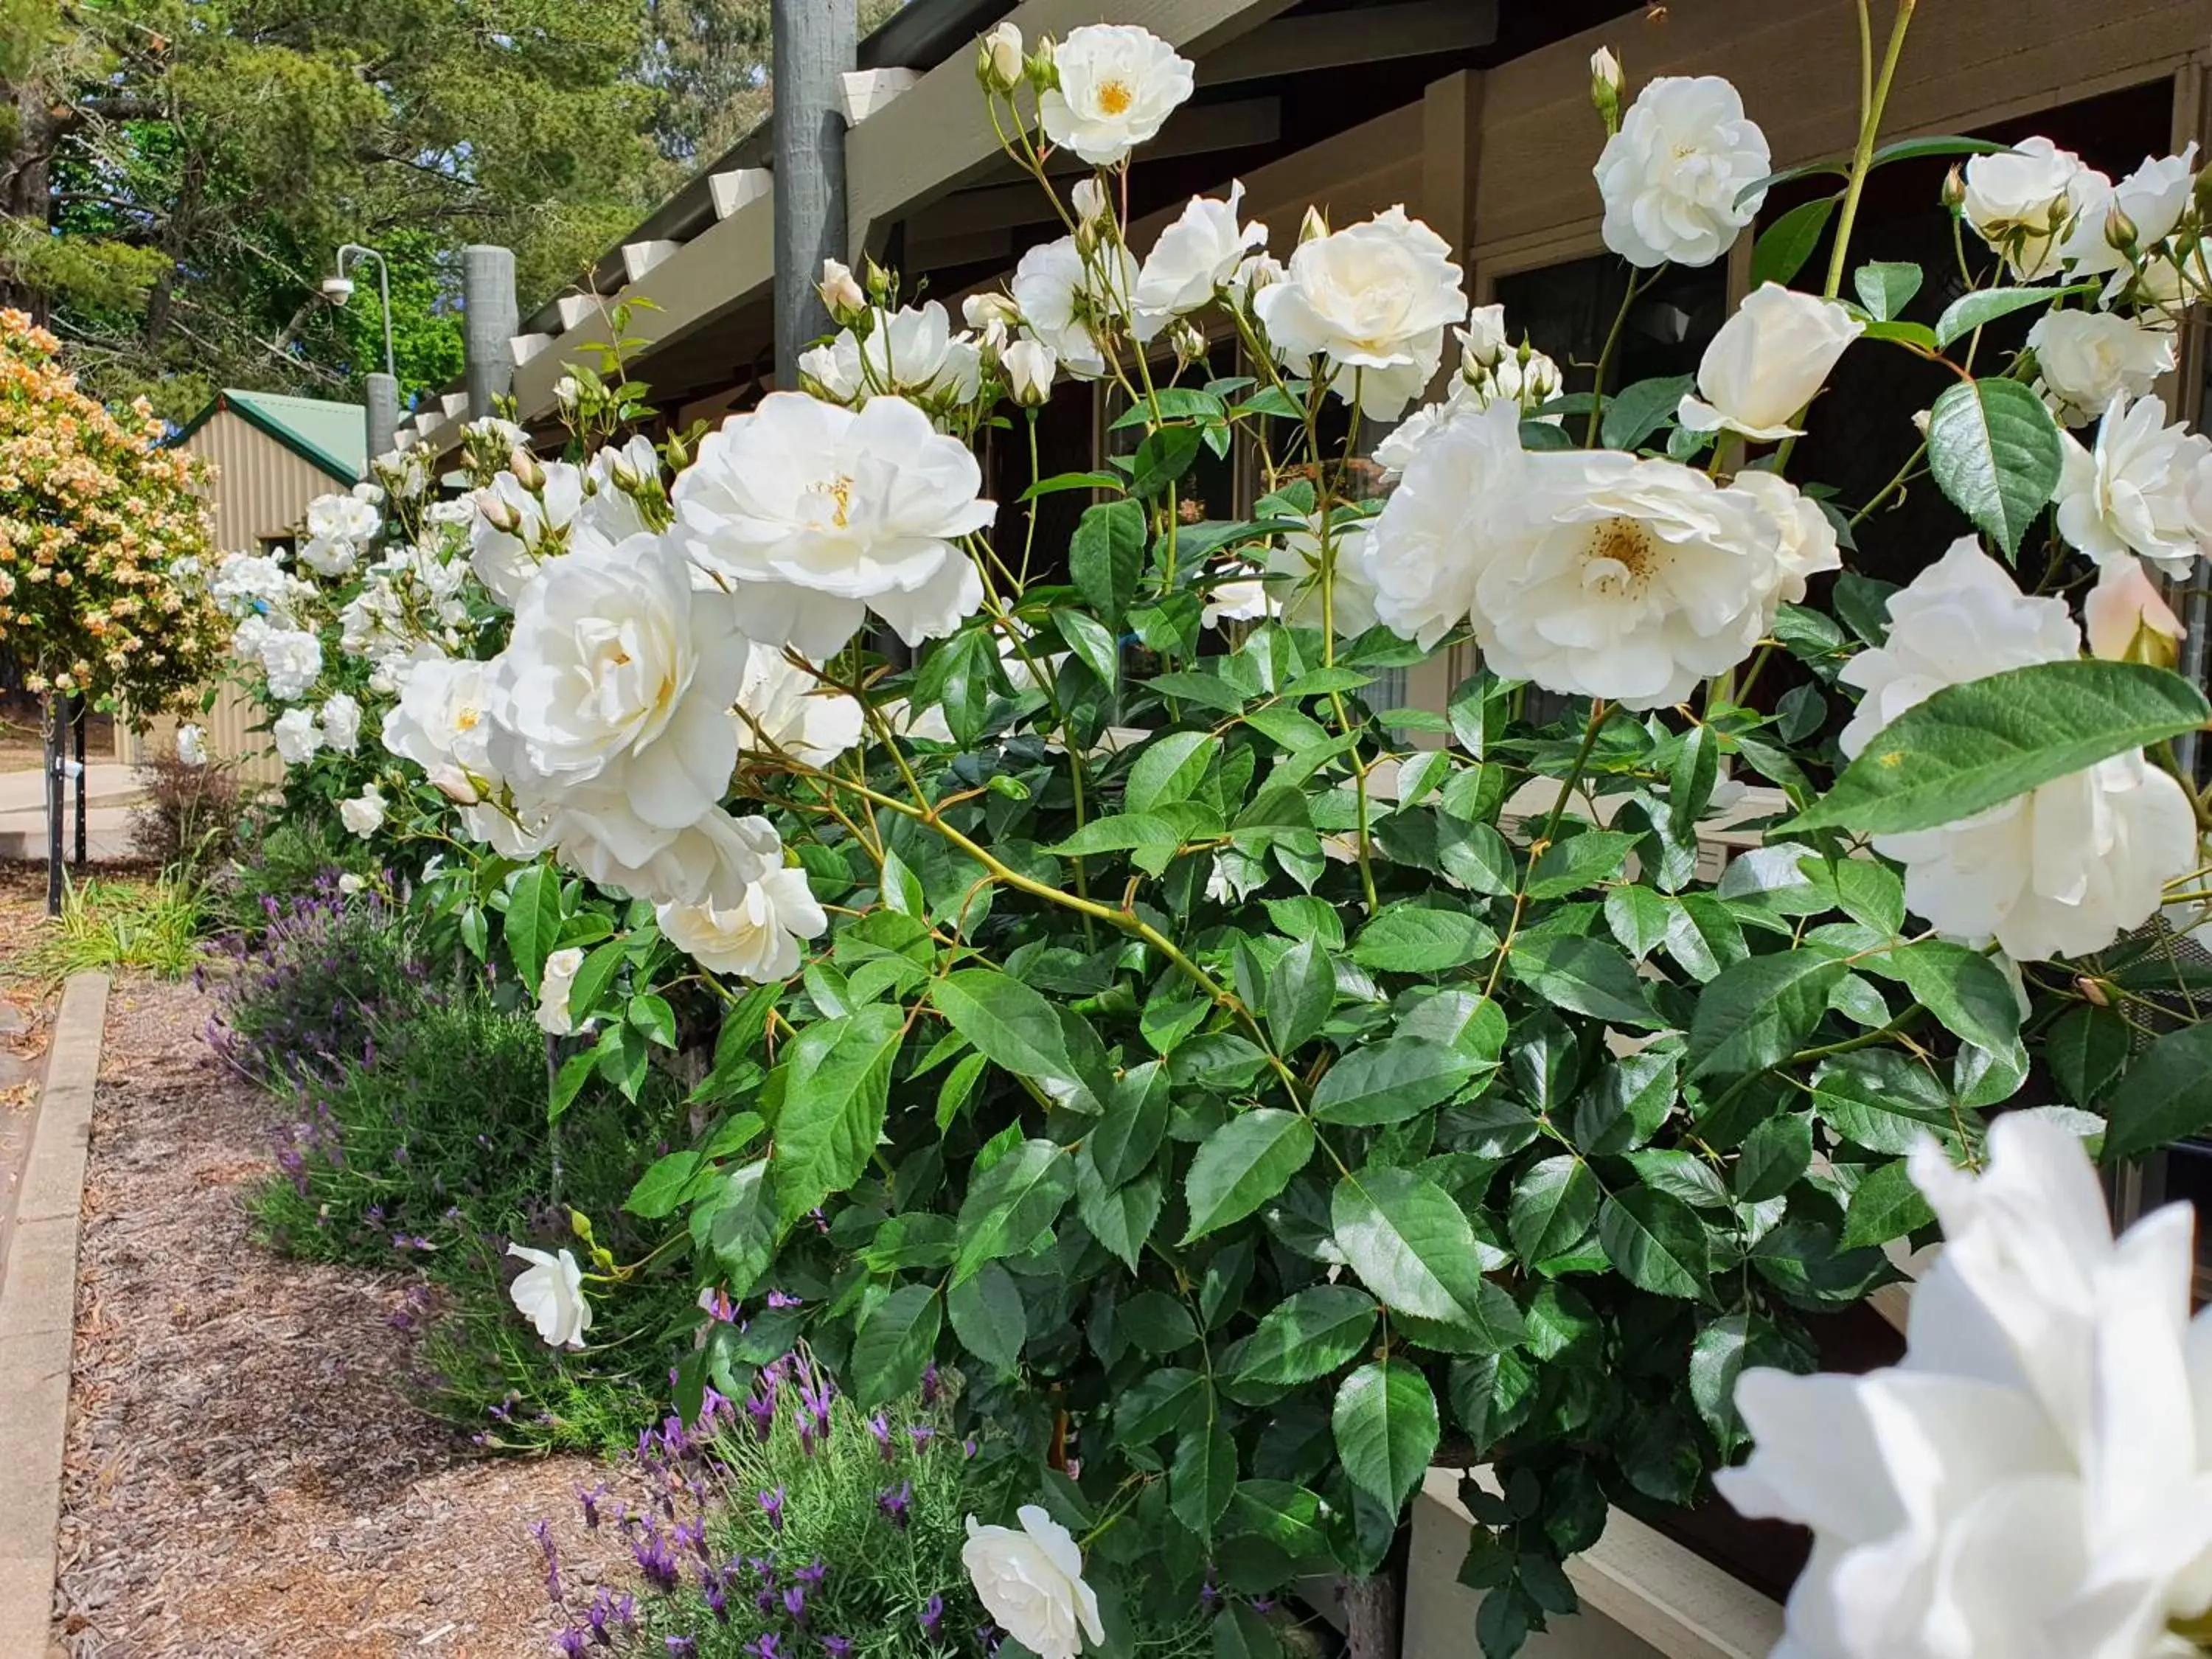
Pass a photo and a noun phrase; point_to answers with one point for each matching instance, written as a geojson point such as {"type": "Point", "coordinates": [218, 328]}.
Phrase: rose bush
{"type": "Point", "coordinates": [1258, 1090]}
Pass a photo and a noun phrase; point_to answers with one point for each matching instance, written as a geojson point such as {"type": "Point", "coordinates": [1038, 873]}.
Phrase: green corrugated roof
{"type": "Point", "coordinates": [330, 435]}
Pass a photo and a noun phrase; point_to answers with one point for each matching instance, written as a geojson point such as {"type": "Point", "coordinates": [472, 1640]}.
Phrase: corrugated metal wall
{"type": "Point", "coordinates": [260, 488]}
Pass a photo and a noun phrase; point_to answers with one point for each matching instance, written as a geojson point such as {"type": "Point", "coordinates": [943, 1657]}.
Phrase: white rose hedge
{"type": "Point", "coordinates": [1254, 1091]}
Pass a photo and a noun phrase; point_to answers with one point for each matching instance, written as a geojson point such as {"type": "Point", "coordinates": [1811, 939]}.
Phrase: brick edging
{"type": "Point", "coordinates": [38, 1318]}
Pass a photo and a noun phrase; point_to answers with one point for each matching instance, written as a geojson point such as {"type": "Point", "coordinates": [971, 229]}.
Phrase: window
{"type": "Point", "coordinates": [1567, 310]}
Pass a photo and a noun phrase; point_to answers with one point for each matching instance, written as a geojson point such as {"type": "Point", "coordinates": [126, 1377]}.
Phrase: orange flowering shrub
{"type": "Point", "coordinates": [104, 546]}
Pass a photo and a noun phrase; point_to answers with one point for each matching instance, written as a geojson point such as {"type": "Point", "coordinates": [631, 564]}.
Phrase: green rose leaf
{"type": "Point", "coordinates": [1414, 1246]}
{"type": "Point", "coordinates": [893, 1343]}
{"type": "Point", "coordinates": [988, 1318]}
{"type": "Point", "coordinates": [1994, 451]}
{"type": "Point", "coordinates": [1011, 1208]}
{"type": "Point", "coordinates": [1242, 1165]}
{"type": "Point", "coordinates": [1107, 554]}
{"type": "Point", "coordinates": [1389, 1082]}
{"type": "Point", "coordinates": [1655, 1241]}
{"type": "Point", "coordinates": [836, 1090]}
{"type": "Point", "coordinates": [1308, 1336]}
{"type": "Point", "coordinates": [1385, 1428]}
{"type": "Point", "coordinates": [2167, 1094]}
{"type": "Point", "coordinates": [1301, 991]}
{"type": "Point", "coordinates": [533, 924]}
{"type": "Point", "coordinates": [1757, 1012]}
{"type": "Point", "coordinates": [1885, 1205]}
{"type": "Point", "coordinates": [1968, 747]}
{"type": "Point", "coordinates": [1552, 1207]}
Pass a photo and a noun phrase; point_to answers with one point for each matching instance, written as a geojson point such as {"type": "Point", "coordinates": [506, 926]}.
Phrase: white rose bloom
{"type": "Point", "coordinates": [443, 716]}
{"type": "Point", "coordinates": [1194, 259]}
{"type": "Point", "coordinates": [341, 720]}
{"type": "Point", "coordinates": [1806, 542]}
{"type": "Point", "coordinates": [1766, 362]}
{"type": "Point", "coordinates": [2088, 358]}
{"type": "Point", "coordinates": [1028, 367]}
{"type": "Point", "coordinates": [191, 746]}
{"type": "Point", "coordinates": [1243, 597]}
{"type": "Point", "coordinates": [364, 813]}
{"type": "Point", "coordinates": [351, 884]}
{"type": "Point", "coordinates": [2021, 201]}
{"type": "Point", "coordinates": [2033, 1478]}
{"type": "Point", "coordinates": [506, 434]}
{"type": "Point", "coordinates": [1465, 485]}
{"type": "Point", "coordinates": [825, 514]}
{"type": "Point", "coordinates": [2136, 491]}
{"type": "Point", "coordinates": [782, 704]}
{"type": "Point", "coordinates": [505, 560]}
{"type": "Point", "coordinates": [711, 861]}
{"type": "Point", "coordinates": [292, 658]}
{"type": "Point", "coordinates": [327, 556]}
{"type": "Point", "coordinates": [1117, 85]}
{"type": "Point", "coordinates": [2062, 871]}
{"type": "Point", "coordinates": [350, 518]}
{"type": "Point", "coordinates": [2121, 609]}
{"type": "Point", "coordinates": [1670, 177]}
{"type": "Point", "coordinates": [1066, 304]}
{"type": "Point", "coordinates": [758, 937]}
{"type": "Point", "coordinates": [618, 681]}
{"type": "Point", "coordinates": [549, 1294]}
{"type": "Point", "coordinates": [1031, 1583]}
{"type": "Point", "coordinates": [1291, 576]}
{"type": "Point", "coordinates": [297, 736]}
{"type": "Point", "coordinates": [835, 374]}
{"type": "Point", "coordinates": [554, 1017]}
{"type": "Point", "coordinates": [1373, 301]}
{"type": "Point", "coordinates": [2154, 197]}
{"type": "Point", "coordinates": [1528, 383]}
{"type": "Point", "coordinates": [908, 352]}
{"type": "Point", "coordinates": [1483, 341]}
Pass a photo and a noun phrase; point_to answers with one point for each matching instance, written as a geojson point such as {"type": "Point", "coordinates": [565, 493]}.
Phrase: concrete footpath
{"type": "Point", "coordinates": [38, 1318]}
{"type": "Point", "coordinates": [111, 788]}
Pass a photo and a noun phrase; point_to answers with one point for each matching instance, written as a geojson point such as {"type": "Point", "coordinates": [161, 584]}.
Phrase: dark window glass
{"type": "Point", "coordinates": [1565, 311]}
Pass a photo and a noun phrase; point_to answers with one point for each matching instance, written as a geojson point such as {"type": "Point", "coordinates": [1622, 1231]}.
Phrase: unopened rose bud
{"type": "Point", "coordinates": [1089, 200]}
{"type": "Point", "coordinates": [497, 514]}
{"type": "Point", "coordinates": [999, 63]}
{"type": "Point", "coordinates": [2092, 991]}
{"type": "Point", "coordinates": [1188, 341]}
{"type": "Point", "coordinates": [679, 454]}
{"type": "Point", "coordinates": [2120, 233]}
{"type": "Point", "coordinates": [1043, 70]}
{"type": "Point", "coordinates": [840, 292]}
{"type": "Point", "coordinates": [1087, 237]}
{"type": "Point", "coordinates": [455, 785]}
{"type": "Point", "coordinates": [626, 477]}
{"type": "Point", "coordinates": [2129, 620]}
{"type": "Point", "coordinates": [1605, 87]}
{"type": "Point", "coordinates": [565, 391]}
{"type": "Point", "coordinates": [527, 471]}
{"type": "Point", "coordinates": [881, 283]}
{"type": "Point", "coordinates": [1955, 190]}
{"type": "Point", "coordinates": [1313, 226]}
{"type": "Point", "coordinates": [1029, 367]}
{"type": "Point", "coordinates": [982, 310]}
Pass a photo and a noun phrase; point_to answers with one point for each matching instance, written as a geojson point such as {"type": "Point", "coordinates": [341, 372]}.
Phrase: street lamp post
{"type": "Point", "coordinates": [382, 391]}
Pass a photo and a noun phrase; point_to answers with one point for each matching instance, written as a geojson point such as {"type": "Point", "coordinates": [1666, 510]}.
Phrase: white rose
{"type": "Point", "coordinates": [841, 290]}
{"type": "Point", "coordinates": [327, 556]}
{"type": "Point", "coordinates": [515, 528]}
{"type": "Point", "coordinates": [618, 680]}
{"type": "Point", "coordinates": [711, 860]}
{"type": "Point", "coordinates": [1464, 490]}
{"type": "Point", "coordinates": [549, 1294]}
{"type": "Point", "coordinates": [554, 1017]}
{"type": "Point", "coordinates": [2088, 358]}
{"type": "Point", "coordinates": [349, 518]}
{"type": "Point", "coordinates": [2127, 619]}
{"type": "Point", "coordinates": [351, 884]}
{"type": "Point", "coordinates": [191, 746]}
{"type": "Point", "coordinates": [1767, 361]}
{"type": "Point", "coordinates": [2154, 197]}
{"type": "Point", "coordinates": [1030, 366]}
{"type": "Point", "coordinates": [2021, 202]}
{"type": "Point", "coordinates": [364, 813]}
{"type": "Point", "coordinates": [2033, 1478]}
{"type": "Point", "coordinates": [835, 374]}
{"type": "Point", "coordinates": [1088, 199]}
{"type": "Point", "coordinates": [784, 707]}
{"type": "Point", "coordinates": [443, 716]}
{"type": "Point", "coordinates": [1806, 544]}
{"type": "Point", "coordinates": [1116, 85]}
{"type": "Point", "coordinates": [1067, 303]}
{"type": "Point", "coordinates": [758, 937]}
{"type": "Point", "coordinates": [297, 736]}
{"type": "Point", "coordinates": [1194, 259]}
{"type": "Point", "coordinates": [1396, 451]}
{"type": "Point", "coordinates": [825, 514]}
{"type": "Point", "coordinates": [2136, 490]}
{"type": "Point", "coordinates": [1483, 341]}
{"type": "Point", "coordinates": [292, 658]}
{"type": "Point", "coordinates": [1671, 176]}
{"type": "Point", "coordinates": [2062, 871]}
{"type": "Point", "coordinates": [341, 720]}
{"type": "Point", "coordinates": [1372, 300]}
{"type": "Point", "coordinates": [1292, 577]}
{"type": "Point", "coordinates": [1031, 1583]}
{"type": "Point", "coordinates": [1000, 58]}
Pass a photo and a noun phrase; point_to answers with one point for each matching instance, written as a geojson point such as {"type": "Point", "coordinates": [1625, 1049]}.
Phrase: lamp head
{"type": "Point", "coordinates": [338, 290]}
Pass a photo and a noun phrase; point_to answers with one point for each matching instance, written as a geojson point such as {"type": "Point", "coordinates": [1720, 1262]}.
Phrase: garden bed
{"type": "Point", "coordinates": [246, 1473]}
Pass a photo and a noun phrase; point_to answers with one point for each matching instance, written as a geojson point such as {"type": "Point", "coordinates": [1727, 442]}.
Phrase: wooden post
{"type": "Point", "coordinates": [814, 42]}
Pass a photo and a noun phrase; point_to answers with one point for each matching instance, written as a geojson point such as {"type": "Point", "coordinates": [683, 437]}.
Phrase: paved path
{"type": "Point", "coordinates": [111, 787]}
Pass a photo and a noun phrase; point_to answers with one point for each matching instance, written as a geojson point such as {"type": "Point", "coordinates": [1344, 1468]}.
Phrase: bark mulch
{"type": "Point", "coordinates": [246, 1475]}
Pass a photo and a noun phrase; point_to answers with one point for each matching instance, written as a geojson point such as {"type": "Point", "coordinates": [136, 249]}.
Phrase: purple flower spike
{"type": "Point", "coordinates": [895, 1501]}
{"type": "Point", "coordinates": [574, 1642]}
{"type": "Point", "coordinates": [763, 1646]}
{"type": "Point", "coordinates": [794, 1603]}
{"type": "Point", "coordinates": [921, 1434]}
{"type": "Point", "coordinates": [778, 1299]}
{"type": "Point", "coordinates": [837, 1647]}
{"type": "Point", "coordinates": [929, 1385]}
{"type": "Point", "coordinates": [543, 1532]}
{"type": "Point", "coordinates": [879, 1425]}
{"type": "Point", "coordinates": [772, 1503]}
{"type": "Point", "coordinates": [761, 1410]}
{"type": "Point", "coordinates": [680, 1647]}
{"type": "Point", "coordinates": [811, 1576]}
{"type": "Point", "coordinates": [933, 1618]}
{"type": "Point", "coordinates": [590, 1501]}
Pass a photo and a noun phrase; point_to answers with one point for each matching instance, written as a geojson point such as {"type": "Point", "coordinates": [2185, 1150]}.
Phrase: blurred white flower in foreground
{"type": "Point", "coordinates": [549, 1294]}
{"type": "Point", "coordinates": [2061, 870]}
{"type": "Point", "coordinates": [2033, 1479]}
{"type": "Point", "coordinates": [1031, 1583]}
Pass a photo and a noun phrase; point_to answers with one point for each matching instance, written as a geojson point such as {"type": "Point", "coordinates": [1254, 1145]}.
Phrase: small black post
{"type": "Point", "coordinates": [53, 747]}
{"type": "Point", "coordinates": [83, 717]}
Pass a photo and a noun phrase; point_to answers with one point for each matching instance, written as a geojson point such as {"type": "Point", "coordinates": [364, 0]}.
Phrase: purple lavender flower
{"type": "Point", "coordinates": [590, 1500]}
{"type": "Point", "coordinates": [763, 1646]}
{"type": "Point", "coordinates": [837, 1647]}
{"type": "Point", "coordinates": [879, 1425]}
{"type": "Point", "coordinates": [778, 1300]}
{"type": "Point", "coordinates": [654, 1559]}
{"type": "Point", "coordinates": [772, 1503]}
{"type": "Point", "coordinates": [933, 1618]}
{"type": "Point", "coordinates": [794, 1603]}
{"type": "Point", "coordinates": [543, 1532]}
{"type": "Point", "coordinates": [680, 1647]}
{"type": "Point", "coordinates": [716, 1596]}
{"type": "Point", "coordinates": [921, 1434]}
{"type": "Point", "coordinates": [762, 1409]}
{"type": "Point", "coordinates": [573, 1641]}
{"type": "Point", "coordinates": [929, 1384]}
{"type": "Point", "coordinates": [813, 1574]}
{"type": "Point", "coordinates": [691, 1535]}
{"type": "Point", "coordinates": [895, 1501]}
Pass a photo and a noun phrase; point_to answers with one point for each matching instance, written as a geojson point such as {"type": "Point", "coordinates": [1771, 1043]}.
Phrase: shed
{"type": "Point", "coordinates": [272, 454]}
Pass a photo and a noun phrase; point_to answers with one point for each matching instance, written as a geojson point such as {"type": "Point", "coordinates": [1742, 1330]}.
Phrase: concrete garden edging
{"type": "Point", "coordinates": [38, 1318]}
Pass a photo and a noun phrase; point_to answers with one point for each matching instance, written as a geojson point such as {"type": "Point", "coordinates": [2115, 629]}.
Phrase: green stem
{"type": "Point", "coordinates": [1870, 111]}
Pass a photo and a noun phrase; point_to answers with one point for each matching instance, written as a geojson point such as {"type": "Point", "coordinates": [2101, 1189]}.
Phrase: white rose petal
{"type": "Point", "coordinates": [549, 1294]}
{"type": "Point", "coordinates": [1195, 257]}
{"type": "Point", "coordinates": [1029, 368]}
{"type": "Point", "coordinates": [2022, 200]}
{"type": "Point", "coordinates": [191, 746]}
{"type": "Point", "coordinates": [1670, 177]}
{"type": "Point", "coordinates": [2138, 489]}
{"type": "Point", "coordinates": [505, 560]}
{"type": "Point", "coordinates": [340, 723]}
{"type": "Point", "coordinates": [783, 707]}
{"type": "Point", "coordinates": [1117, 85]}
{"type": "Point", "coordinates": [364, 814]}
{"type": "Point", "coordinates": [297, 736]}
{"type": "Point", "coordinates": [1066, 303]}
{"type": "Point", "coordinates": [554, 1017]}
{"type": "Point", "coordinates": [2125, 605]}
{"type": "Point", "coordinates": [2154, 197]}
{"type": "Point", "coordinates": [1767, 361]}
{"type": "Point", "coordinates": [757, 939]}
{"type": "Point", "coordinates": [2085, 359]}
{"type": "Point", "coordinates": [1031, 1583]}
